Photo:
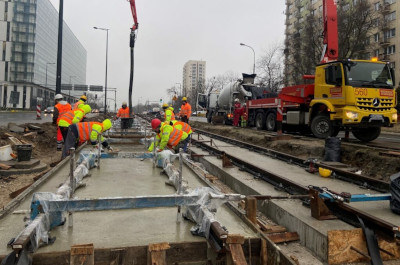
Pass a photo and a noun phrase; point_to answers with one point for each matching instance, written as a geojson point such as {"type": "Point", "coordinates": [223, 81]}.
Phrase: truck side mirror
{"type": "Point", "coordinates": [393, 76]}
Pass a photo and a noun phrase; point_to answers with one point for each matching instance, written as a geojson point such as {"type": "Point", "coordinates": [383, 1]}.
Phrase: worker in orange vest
{"type": "Point", "coordinates": [82, 100]}
{"type": "Point", "coordinates": [186, 110]}
{"type": "Point", "coordinates": [72, 117]}
{"type": "Point", "coordinates": [60, 108]}
{"type": "Point", "coordinates": [123, 113]}
{"type": "Point", "coordinates": [86, 131]}
{"type": "Point", "coordinates": [237, 113]}
{"type": "Point", "coordinates": [183, 126]}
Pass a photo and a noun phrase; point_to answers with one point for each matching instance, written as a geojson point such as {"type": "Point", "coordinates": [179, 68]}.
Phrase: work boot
{"type": "Point", "coordinates": [59, 145]}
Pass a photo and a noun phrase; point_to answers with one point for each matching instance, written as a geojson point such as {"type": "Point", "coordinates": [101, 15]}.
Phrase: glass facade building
{"type": "Point", "coordinates": [29, 35]}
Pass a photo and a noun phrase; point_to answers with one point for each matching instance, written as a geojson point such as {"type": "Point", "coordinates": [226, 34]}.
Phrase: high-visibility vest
{"type": "Point", "coordinates": [79, 102]}
{"type": "Point", "coordinates": [175, 137]}
{"type": "Point", "coordinates": [123, 113]}
{"type": "Point", "coordinates": [85, 129]}
{"type": "Point", "coordinates": [185, 127]}
{"type": "Point", "coordinates": [170, 112]}
{"type": "Point", "coordinates": [186, 110]}
{"type": "Point", "coordinates": [69, 116]}
{"type": "Point", "coordinates": [62, 108]}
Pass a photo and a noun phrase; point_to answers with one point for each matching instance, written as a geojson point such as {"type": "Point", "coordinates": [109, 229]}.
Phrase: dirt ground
{"type": "Point", "coordinates": [365, 159]}
{"type": "Point", "coordinates": [45, 149]}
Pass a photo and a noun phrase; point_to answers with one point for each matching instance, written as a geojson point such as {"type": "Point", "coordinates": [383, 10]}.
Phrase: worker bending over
{"type": "Point", "coordinates": [169, 113]}
{"type": "Point", "coordinates": [183, 126]}
{"type": "Point", "coordinates": [186, 110]}
{"type": "Point", "coordinates": [60, 108]}
{"type": "Point", "coordinates": [82, 100]}
{"type": "Point", "coordinates": [72, 117]}
{"type": "Point", "coordinates": [167, 136]}
{"type": "Point", "coordinates": [86, 131]}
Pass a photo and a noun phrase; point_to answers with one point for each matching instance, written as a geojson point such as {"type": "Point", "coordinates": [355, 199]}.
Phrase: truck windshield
{"type": "Point", "coordinates": [368, 74]}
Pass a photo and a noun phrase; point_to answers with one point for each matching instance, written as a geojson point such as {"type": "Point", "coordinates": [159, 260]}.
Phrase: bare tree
{"type": "Point", "coordinates": [270, 67]}
{"type": "Point", "coordinates": [218, 82]}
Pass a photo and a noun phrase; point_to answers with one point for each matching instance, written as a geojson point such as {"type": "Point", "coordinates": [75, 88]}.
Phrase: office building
{"type": "Point", "coordinates": [29, 34]}
{"type": "Point", "coordinates": [305, 16]}
{"type": "Point", "coordinates": [194, 76]}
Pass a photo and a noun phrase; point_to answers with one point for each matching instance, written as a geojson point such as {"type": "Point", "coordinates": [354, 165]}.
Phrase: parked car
{"type": "Point", "coordinates": [200, 113]}
{"type": "Point", "coordinates": [49, 110]}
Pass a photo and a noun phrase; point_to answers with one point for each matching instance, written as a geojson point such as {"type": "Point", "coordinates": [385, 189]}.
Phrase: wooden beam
{"type": "Point", "coordinates": [82, 255]}
{"type": "Point", "coordinates": [251, 209]}
{"type": "Point", "coordinates": [263, 252]}
{"type": "Point", "coordinates": [283, 237]}
{"type": "Point", "coordinates": [157, 254]}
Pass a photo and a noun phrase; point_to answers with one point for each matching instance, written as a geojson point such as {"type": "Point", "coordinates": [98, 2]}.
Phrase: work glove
{"type": "Point", "coordinates": [109, 148]}
{"type": "Point", "coordinates": [159, 150]}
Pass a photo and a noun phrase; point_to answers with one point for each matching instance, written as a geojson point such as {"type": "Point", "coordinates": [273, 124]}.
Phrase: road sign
{"type": "Point", "coordinates": [66, 87]}
{"type": "Point", "coordinates": [80, 87]}
{"type": "Point", "coordinates": [96, 88]}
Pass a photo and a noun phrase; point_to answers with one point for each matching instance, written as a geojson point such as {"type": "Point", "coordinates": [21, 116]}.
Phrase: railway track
{"type": "Point", "coordinates": [345, 212]}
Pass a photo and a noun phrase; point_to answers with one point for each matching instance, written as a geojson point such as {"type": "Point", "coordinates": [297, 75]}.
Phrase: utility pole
{"type": "Point", "coordinates": [59, 47]}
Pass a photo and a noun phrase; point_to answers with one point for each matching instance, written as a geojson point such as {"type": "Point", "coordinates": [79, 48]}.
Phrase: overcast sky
{"type": "Point", "coordinates": [171, 32]}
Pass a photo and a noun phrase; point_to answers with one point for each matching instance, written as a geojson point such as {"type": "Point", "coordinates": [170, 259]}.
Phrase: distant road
{"type": "Point", "coordinates": [25, 117]}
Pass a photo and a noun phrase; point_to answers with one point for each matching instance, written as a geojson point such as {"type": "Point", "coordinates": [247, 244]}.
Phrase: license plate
{"type": "Point", "coordinates": [375, 117]}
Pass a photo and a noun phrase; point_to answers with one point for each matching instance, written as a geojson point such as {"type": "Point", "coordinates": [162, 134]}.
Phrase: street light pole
{"type": "Point", "coordinates": [69, 93]}
{"type": "Point", "coordinates": [46, 73]}
{"type": "Point", "coordinates": [59, 47]}
{"type": "Point", "coordinates": [254, 56]}
{"type": "Point", "coordinates": [105, 86]}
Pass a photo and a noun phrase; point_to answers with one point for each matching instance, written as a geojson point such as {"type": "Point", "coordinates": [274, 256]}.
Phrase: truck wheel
{"type": "Point", "coordinates": [321, 126]}
{"type": "Point", "coordinates": [260, 121]}
{"type": "Point", "coordinates": [271, 121]}
{"type": "Point", "coordinates": [367, 134]}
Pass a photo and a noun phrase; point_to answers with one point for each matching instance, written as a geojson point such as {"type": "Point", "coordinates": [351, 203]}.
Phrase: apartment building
{"type": "Point", "coordinates": [194, 76]}
{"type": "Point", "coordinates": [303, 16]}
{"type": "Point", "coordinates": [28, 36]}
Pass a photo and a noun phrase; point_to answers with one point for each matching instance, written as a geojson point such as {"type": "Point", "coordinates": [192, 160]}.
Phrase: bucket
{"type": "Point", "coordinates": [24, 152]}
{"type": "Point", "coordinates": [5, 153]}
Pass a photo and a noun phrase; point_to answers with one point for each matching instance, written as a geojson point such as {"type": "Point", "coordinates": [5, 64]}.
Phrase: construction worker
{"type": "Point", "coordinates": [186, 110]}
{"type": "Point", "coordinates": [60, 108]}
{"type": "Point", "coordinates": [123, 113]}
{"type": "Point", "coordinates": [72, 117]}
{"type": "Point", "coordinates": [82, 100]}
{"type": "Point", "coordinates": [183, 126]}
{"type": "Point", "coordinates": [237, 113]}
{"type": "Point", "coordinates": [86, 131]}
{"type": "Point", "coordinates": [169, 114]}
{"type": "Point", "coordinates": [167, 136]}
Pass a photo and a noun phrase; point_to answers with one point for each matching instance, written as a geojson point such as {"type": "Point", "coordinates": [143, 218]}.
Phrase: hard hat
{"type": "Point", "coordinates": [323, 172]}
{"type": "Point", "coordinates": [58, 96]}
{"type": "Point", "coordinates": [155, 123]}
{"type": "Point", "coordinates": [165, 105]}
{"type": "Point", "coordinates": [236, 100]}
{"type": "Point", "coordinates": [124, 103]}
{"type": "Point", "coordinates": [184, 99]}
{"type": "Point", "coordinates": [106, 124]}
{"type": "Point", "coordinates": [86, 109]}
{"type": "Point", "coordinates": [83, 97]}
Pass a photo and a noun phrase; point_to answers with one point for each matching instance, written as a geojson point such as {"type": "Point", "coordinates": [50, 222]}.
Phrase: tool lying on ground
{"type": "Point", "coordinates": [325, 193]}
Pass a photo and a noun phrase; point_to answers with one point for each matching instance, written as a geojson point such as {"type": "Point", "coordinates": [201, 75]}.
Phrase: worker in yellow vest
{"type": "Point", "coordinates": [82, 100]}
{"type": "Point", "coordinates": [167, 136]}
{"type": "Point", "coordinates": [169, 113]}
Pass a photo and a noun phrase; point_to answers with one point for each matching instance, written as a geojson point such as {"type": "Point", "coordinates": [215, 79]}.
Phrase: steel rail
{"type": "Point", "coordinates": [347, 176]}
{"type": "Point", "coordinates": [344, 211]}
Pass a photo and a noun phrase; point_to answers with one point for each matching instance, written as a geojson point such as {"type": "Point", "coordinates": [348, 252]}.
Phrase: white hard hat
{"type": "Point", "coordinates": [58, 96]}
{"type": "Point", "coordinates": [236, 100]}
{"type": "Point", "coordinates": [124, 103]}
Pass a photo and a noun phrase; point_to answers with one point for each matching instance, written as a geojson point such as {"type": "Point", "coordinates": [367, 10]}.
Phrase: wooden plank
{"type": "Point", "coordinates": [19, 191]}
{"type": "Point", "coordinates": [268, 229]}
{"type": "Point", "coordinates": [25, 236]}
{"type": "Point", "coordinates": [283, 237]}
{"type": "Point", "coordinates": [341, 245]}
{"type": "Point", "coordinates": [4, 166]}
{"type": "Point", "coordinates": [390, 153]}
{"type": "Point", "coordinates": [263, 252]}
{"type": "Point", "coordinates": [235, 239]}
{"type": "Point", "coordinates": [236, 256]}
{"type": "Point", "coordinates": [251, 209]}
{"type": "Point", "coordinates": [82, 255]}
{"type": "Point", "coordinates": [157, 254]}
{"type": "Point", "coordinates": [38, 176]}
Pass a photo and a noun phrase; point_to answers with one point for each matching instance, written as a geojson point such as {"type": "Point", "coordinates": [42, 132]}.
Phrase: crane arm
{"type": "Point", "coordinates": [134, 15]}
{"type": "Point", "coordinates": [331, 50]}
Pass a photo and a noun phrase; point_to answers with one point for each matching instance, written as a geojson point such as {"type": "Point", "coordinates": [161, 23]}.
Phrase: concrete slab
{"type": "Point", "coordinates": [18, 171]}
{"type": "Point", "coordinates": [120, 177]}
{"type": "Point", "coordinates": [22, 164]}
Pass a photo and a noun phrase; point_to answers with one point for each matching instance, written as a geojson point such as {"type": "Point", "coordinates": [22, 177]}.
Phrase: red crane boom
{"type": "Point", "coordinates": [134, 14]}
{"type": "Point", "coordinates": [330, 51]}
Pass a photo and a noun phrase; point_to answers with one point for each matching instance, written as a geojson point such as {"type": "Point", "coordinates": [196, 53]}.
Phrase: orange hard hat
{"type": "Point", "coordinates": [155, 123]}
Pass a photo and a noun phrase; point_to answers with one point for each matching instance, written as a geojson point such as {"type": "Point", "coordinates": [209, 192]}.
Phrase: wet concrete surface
{"type": "Point", "coordinates": [119, 228]}
{"type": "Point", "coordinates": [299, 175]}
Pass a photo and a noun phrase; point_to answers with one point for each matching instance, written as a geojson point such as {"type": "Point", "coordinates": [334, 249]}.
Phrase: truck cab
{"type": "Point", "coordinates": [357, 95]}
